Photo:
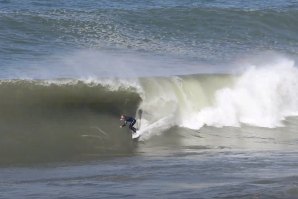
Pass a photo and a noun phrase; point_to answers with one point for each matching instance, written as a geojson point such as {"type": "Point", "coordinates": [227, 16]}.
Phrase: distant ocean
{"type": "Point", "coordinates": [216, 83]}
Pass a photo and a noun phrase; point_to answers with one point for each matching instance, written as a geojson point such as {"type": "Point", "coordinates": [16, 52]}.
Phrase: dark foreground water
{"type": "Point", "coordinates": [213, 163]}
{"type": "Point", "coordinates": [191, 174]}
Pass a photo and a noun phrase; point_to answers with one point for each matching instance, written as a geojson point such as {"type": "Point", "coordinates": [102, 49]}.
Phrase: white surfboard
{"type": "Point", "coordinates": [135, 135]}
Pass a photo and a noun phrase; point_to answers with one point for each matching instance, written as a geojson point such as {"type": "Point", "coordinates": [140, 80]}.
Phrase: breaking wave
{"type": "Point", "coordinates": [47, 120]}
{"type": "Point", "coordinates": [262, 96]}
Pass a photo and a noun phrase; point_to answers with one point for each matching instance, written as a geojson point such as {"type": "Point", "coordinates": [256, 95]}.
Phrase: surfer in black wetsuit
{"type": "Point", "coordinates": [130, 120]}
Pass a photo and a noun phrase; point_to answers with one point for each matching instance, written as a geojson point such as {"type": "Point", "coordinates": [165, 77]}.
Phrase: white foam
{"type": "Point", "coordinates": [264, 95]}
{"type": "Point", "coordinates": [261, 97]}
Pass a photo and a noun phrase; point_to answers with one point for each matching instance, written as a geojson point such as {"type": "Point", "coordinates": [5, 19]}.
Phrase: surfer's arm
{"type": "Point", "coordinates": [123, 125]}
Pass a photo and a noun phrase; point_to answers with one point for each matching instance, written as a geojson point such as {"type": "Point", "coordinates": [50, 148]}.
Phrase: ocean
{"type": "Point", "coordinates": [213, 86]}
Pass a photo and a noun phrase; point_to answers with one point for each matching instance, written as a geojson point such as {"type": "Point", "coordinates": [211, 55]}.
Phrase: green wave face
{"type": "Point", "coordinates": [59, 122]}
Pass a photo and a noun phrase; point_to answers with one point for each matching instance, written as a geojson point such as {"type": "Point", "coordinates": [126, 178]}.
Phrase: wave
{"type": "Point", "coordinates": [262, 96]}
{"type": "Point", "coordinates": [47, 120]}
{"type": "Point", "coordinates": [62, 119]}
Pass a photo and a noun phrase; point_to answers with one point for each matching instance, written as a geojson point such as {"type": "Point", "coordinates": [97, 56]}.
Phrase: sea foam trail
{"type": "Point", "coordinates": [262, 96]}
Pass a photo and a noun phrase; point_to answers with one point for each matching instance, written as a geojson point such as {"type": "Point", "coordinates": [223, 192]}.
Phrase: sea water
{"type": "Point", "coordinates": [216, 82]}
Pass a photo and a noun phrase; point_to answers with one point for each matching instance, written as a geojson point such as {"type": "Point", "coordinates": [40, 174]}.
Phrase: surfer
{"type": "Point", "coordinates": [130, 120]}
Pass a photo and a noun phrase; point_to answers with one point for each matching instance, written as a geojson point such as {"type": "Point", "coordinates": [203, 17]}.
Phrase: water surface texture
{"type": "Point", "coordinates": [213, 84]}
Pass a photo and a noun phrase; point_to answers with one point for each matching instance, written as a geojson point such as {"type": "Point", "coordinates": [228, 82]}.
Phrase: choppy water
{"type": "Point", "coordinates": [216, 82]}
{"type": "Point", "coordinates": [205, 30]}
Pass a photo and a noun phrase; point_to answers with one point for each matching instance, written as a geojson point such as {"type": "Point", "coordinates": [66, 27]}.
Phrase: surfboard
{"type": "Point", "coordinates": [135, 135]}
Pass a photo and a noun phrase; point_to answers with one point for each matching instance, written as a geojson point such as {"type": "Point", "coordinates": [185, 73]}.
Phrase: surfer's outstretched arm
{"type": "Point", "coordinates": [123, 125]}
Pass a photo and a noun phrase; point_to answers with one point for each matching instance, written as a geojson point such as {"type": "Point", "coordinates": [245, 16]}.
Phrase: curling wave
{"type": "Point", "coordinates": [43, 120]}
{"type": "Point", "coordinates": [62, 119]}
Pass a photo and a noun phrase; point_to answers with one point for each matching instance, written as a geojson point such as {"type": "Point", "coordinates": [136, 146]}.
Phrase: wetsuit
{"type": "Point", "coordinates": [132, 122]}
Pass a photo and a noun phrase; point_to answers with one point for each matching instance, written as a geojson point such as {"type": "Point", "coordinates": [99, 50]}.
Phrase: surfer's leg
{"type": "Point", "coordinates": [131, 126]}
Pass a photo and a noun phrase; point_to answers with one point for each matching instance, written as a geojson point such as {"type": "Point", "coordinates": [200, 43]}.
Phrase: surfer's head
{"type": "Point", "coordinates": [122, 117]}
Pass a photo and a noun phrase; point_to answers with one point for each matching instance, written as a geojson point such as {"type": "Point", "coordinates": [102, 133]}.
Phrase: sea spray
{"type": "Point", "coordinates": [263, 95]}
{"type": "Point", "coordinates": [260, 97]}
